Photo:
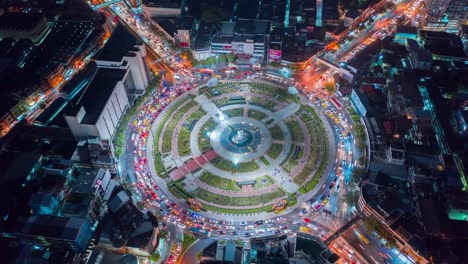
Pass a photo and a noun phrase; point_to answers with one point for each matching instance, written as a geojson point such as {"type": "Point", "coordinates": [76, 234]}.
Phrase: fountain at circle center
{"type": "Point", "coordinates": [240, 137]}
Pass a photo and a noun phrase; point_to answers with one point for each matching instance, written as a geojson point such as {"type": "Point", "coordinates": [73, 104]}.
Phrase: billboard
{"type": "Point", "coordinates": [275, 54]}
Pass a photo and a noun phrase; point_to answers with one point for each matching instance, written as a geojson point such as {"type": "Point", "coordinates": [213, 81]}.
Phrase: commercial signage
{"type": "Point", "coordinates": [275, 54]}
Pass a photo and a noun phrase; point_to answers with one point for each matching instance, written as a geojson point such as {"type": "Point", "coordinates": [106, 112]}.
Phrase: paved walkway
{"type": "Point", "coordinates": [210, 108]}
{"type": "Point", "coordinates": [281, 114]}
{"type": "Point", "coordinates": [280, 175]}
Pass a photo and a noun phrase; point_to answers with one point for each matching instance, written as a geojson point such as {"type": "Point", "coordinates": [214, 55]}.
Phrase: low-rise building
{"type": "Point", "coordinates": [162, 8]}
{"type": "Point", "coordinates": [121, 77]}
{"type": "Point", "coordinates": [420, 58]}
{"type": "Point", "coordinates": [405, 32]}
{"type": "Point", "coordinates": [53, 231]}
{"type": "Point", "coordinates": [97, 112]}
{"type": "Point", "coordinates": [246, 38]}
{"type": "Point", "coordinates": [20, 25]}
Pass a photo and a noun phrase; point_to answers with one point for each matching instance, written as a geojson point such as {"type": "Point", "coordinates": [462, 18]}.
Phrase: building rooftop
{"type": "Point", "coordinates": [256, 38]}
{"type": "Point", "coordinates": [203, 37]}
{"type": "Point", "coordinates": [65, 39]}
{"type": "Point", "coordinates": [406, 30]}
{"type": "Point", "coordinates": [245, 27]}
{"type": "Point", "coordinates": [171, 25]}
{"type": "Point", "coordinates": [51, 111]}
{"type": "Point", "coordinates": [17, 165]}
{"type": "Point", "coordinates": [118, 201]}
{"type": "Point", "coordinates": [163, 3]}
{"type": "Point", "coordinates": [79, 81]}
{"type": "Point", "coordinates": [50, 141]}
{"type": "Point", "coordinates": [53, 226]}
{"type": "Point", "coordinates": [120, 44]}
{"type": "Point", "coordinates": [421, 54]}
{"type": "Point", "coordinates": [20, 21]}
{"type": "Point", "coordinates": [96, 95]}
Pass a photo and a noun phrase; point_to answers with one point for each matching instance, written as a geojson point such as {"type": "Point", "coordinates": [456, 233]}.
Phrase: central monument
{"type": "Point", "coordinates": [240, 137]}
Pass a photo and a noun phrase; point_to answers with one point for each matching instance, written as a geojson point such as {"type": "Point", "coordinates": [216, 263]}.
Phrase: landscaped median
{"type": "Point", "coordinates": [229, 149]}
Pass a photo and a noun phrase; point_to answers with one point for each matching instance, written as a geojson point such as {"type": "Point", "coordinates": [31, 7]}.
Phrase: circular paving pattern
{"type": "Point", "coordinates": [239, 148]}
{"type": "Point", "coordinates": [240, 139]}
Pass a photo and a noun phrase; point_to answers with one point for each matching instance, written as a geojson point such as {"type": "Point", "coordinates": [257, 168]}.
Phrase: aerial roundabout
{"type": "Point", "coordinates": [240, 148]}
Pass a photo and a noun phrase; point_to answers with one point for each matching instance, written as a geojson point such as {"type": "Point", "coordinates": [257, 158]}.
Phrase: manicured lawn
{"type": "Point", "coordinates": [183, 142]}
{"type": "Point", "coordinates": [263, 182]}
{"type": "Point", "coordinates": [219, 182]}
{"type": "Point", "coordinates": [296, 132]}
{"type": "Point", "coordinates": [275, 150]}
{"type": "Point", "coordinates": [262, 102]}
{"type": "Point", "coordinates": [256, 114]}
{"type": "Point", "coordinates": [237, 211]}
{"type": "Point", "coordinates": [264, 160]}
{"type": "Point", "coordinates": [222, 164]}
{"type": "Point", "coordinates": [247, 166]}
{"type": "Point", "coordinates": [234, 112]}
{"type": "Point", "coordinates": [167, 139]}
{"type": "Point", "coordinates": [197, 114]}
{"type": "Point", "coordinates": [203, 138]}
{"type": "Point", "coordinates": [276, 133]}
{"type": "Point", "coordinates": [159, 165]}
{"type": "Point", "coordinates": [240, 201]}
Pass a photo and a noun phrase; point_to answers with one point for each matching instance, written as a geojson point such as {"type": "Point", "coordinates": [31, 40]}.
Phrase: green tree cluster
{"type": "Point", "coordinates": [154, 257]}
{"type": "Point", "coordinates": [330, 87]}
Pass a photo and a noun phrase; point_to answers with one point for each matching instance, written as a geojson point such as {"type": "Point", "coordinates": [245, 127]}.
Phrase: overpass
{"type": "Point", "coordinates": [163, 59]}
{"type": "Point", "coordinates": [347, 74]}
{"type": "Point", "coordinates": [342, 229]}
{"type": "Point", "coordinates": [99, 6]}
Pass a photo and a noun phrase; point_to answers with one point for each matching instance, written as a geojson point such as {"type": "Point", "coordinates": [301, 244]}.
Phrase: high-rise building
{"type": "Point", "coordinates": [446, 15]}
{"type": "Point", "coordinates": [53, 231]}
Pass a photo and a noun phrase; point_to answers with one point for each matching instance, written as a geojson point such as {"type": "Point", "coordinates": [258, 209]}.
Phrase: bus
{"type": "Point", "coordinates": [200, 231]}
{"type": "Point", "coordinates": [336, 103]}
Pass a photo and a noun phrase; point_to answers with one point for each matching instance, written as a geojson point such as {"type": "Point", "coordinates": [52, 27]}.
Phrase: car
{"type": "Point", "coordinates": [230, 227]}
{"type": "Point", "coordinates": [233, 233]}
{"type": "Point", "coordinates": [259, 222]}
{"type": "Point", "coordinates": [243, 223]}
{"type": "Point", "coordinates": [324, 202]}
{"type": "Point", "coordinates": [221, 232]}
{"type": "Point", "coordinates": [179, 246]}
{"type": "Point", "coordinates": [181, 225]}
{"type": "Point", "coordinates": [246, 235]}
{"type": "Point", "coordinates": [317, 206]}
{"type": "Point", "coordinates": [307, 220]}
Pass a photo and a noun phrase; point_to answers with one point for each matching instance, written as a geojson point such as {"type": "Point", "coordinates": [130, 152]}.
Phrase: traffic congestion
{"type": "Point", "coordinates": [325, 203]}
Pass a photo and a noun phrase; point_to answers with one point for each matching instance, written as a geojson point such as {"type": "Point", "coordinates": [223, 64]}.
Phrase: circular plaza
{"type": "Point", "coordinates": [240, 148]}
